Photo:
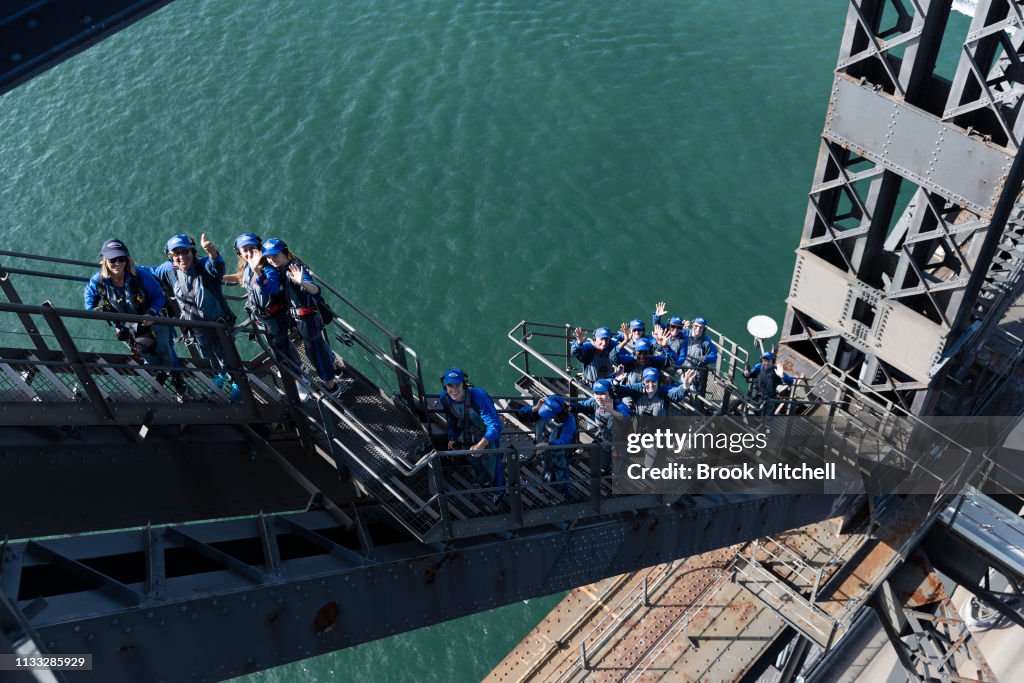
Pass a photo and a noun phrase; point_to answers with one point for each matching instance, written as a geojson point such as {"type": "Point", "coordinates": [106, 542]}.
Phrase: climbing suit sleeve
{"type": "Point", "coordinates": [488, 413]}
{"type": "Point", "coordinates": [155, 299]}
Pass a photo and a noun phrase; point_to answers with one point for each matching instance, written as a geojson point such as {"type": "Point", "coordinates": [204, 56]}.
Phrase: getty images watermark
{"type": "Point", "coordinates": [829, 454]}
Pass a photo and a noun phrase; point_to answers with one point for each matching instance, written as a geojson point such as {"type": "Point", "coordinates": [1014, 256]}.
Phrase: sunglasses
{"type": "Point", "coordinates": [180, 253]}
{"type": "Point", "coordinates": [118, 259]}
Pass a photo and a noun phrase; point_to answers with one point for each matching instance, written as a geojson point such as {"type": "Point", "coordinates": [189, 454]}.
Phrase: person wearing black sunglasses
{"type": "Point", "coordinates": [121, 287]}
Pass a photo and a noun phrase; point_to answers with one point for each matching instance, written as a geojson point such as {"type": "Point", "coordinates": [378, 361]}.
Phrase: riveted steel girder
{"type": "Point", "coordinates": [248, 594]}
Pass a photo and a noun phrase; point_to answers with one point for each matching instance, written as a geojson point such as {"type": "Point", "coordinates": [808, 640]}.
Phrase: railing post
{"type": "Point", "coordinates": [404, 387]}
{"type": "Point", "coordinates": [67, 345]}
{"type": "Point", "coordinates": [595, 476]}
{"type": "Point", "coordinates": [442, 497]}
{"type": "Point", "coordinates": [646, 596]}
{"type": "Point", "coordinates": [515, 489]}
{"type": "Point", "coordinates": [239, 374]}
{"type": "Point", "coordinates": [726, 395]}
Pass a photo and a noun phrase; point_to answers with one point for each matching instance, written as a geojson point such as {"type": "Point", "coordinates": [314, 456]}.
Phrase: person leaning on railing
{"type": "Point", "coordinates": [121, 287]}
{"type": "Point", "coordinates": [473, 424]}
{"type": "Point", "coordinates": [554, 429]}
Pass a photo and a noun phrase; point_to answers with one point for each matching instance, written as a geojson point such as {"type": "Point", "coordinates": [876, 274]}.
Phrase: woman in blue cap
{"type": "Point", "coordinates": [120, 287]}
{"type": "Point", "coordinates": [266, 302]}
{"type": "Point", "coordinates": [303, 298]}
{"type": "Point", "coordinates": [554, 430]}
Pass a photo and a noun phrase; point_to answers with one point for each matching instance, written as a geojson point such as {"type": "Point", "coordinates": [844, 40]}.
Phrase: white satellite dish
{"type": "Point", "coordinates": [762, 327]}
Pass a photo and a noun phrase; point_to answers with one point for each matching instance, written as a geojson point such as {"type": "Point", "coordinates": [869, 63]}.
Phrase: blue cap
{"type": "Point", "coordinates": [651, 374]}
{"type": "Point", "coordinates": [454, 376]}
{"type": "Point", "coordinates": [551, 407]}
{"type": "Point", "coordinates": [113, 249]}
{"type": "Point", "coordinates": [636, 324]}
{"type": "Point", "coordinates": [676, 320]}
{"type": "Point", "coordinates": [247, 239]}
{"type": "Point", "coordinates": [642, 344]}
{"type": "Point", "coordinates": [700, 321]}
{"type": "Point", "coordinates": [768, 355]}
{"type": "Point", "coordinates": [602, 333]}
{"type": "Point", "coordinates": [274, 246]}
{"type": "Point", "coordinates": [179, 242]}
{"type": "Point", "coordinates": [602, 386]}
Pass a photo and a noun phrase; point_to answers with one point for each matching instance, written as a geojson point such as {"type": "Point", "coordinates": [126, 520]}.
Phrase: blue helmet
{"type": "Point", "coordinates": [602, 386]}
{"type": "Point", "coordinates": [642, 345]}
{"type": "Point", "coordinates": [700, 321]}
{"type": "Point", "coordinates": [247, 239]}
{"type": "Point", "coordinates": [179, 242]}
{"type": "Point", "coordinates": [636, 324]}
{"type": "Point", "coordinates": [676, 320]}
{"type": "Point", "coordinates": [552, 406]}
{"type": "Point", "coordinates": [602, 333]}
{"type": "Point", "coordinates": [274, 246]}
{"type": "Point", "coordinates": [453, 376]}
{"type": "Point", "coordinates": [651, 374]}
{"type": "Point", "coordinates": [767, 355]}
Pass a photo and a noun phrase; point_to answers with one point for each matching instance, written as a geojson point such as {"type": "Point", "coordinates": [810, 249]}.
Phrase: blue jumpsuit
{"type": "Point", "coordinates": [268, 309]}
{"type": "Point", "coordinates": [198, 291]}
{"type": "Point", "coordinates": [470, 420]}
{"type": "Point", "coordinates": [303, 308]}
{"type": "Point", "coordinates": [141, 295]}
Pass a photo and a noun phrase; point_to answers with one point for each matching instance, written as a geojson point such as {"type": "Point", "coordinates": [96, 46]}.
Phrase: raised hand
{"type": "Point", "coordinates": [660, 308]}
{"type": "Point", "coordinates": [295, 273]}
{"type": "Point", "coordinates": [579, 334]}
{"type": "Point", "coordinates": [207, 245]}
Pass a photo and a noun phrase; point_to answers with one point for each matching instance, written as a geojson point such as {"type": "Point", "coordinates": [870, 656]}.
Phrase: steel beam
{"type": "Point", "coordinates": [36, 35]}
{"type": "Point", "coordinates": [235, 612]}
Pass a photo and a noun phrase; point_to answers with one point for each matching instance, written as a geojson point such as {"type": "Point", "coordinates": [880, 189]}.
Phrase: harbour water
{"type": "Point", "coordinates": [454, 166]}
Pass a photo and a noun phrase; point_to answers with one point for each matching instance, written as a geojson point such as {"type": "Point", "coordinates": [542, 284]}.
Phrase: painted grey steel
{"type": "Point", "coordinates": [913, 232]}
{"type": "Point", "coordinates": [916, 145]}
{"type": "Point", "coordinates": [989, 527]}
{"type": "Point", "coordinates": [248, 594]}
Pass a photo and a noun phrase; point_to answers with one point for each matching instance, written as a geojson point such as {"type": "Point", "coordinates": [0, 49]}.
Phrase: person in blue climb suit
{"type": "Point", "coordinates": [554, 429]}
{"type": "Point", "coordinates": [603, 409]}
{"type": "Point", "coordinates": [473, 424]}
{"type": "Point", "coordinates": [303, 297]}
{"type": "Point", "coordinates": [121, 287]}
{"type": "Point", "coordinates": [196, 283]}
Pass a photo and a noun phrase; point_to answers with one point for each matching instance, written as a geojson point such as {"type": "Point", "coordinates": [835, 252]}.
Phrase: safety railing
{"type": "Point", "coordinates": [385, 355]}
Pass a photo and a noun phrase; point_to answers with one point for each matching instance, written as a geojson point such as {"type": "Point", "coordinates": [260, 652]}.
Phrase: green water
{"type": "Point", "coordinates": [454, 167]}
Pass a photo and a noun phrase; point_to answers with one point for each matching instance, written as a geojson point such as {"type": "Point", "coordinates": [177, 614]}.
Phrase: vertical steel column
{"type": "Point", "coordinates": [7, 287]}
{"type": "Point", "coordinates": [67, 345]}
